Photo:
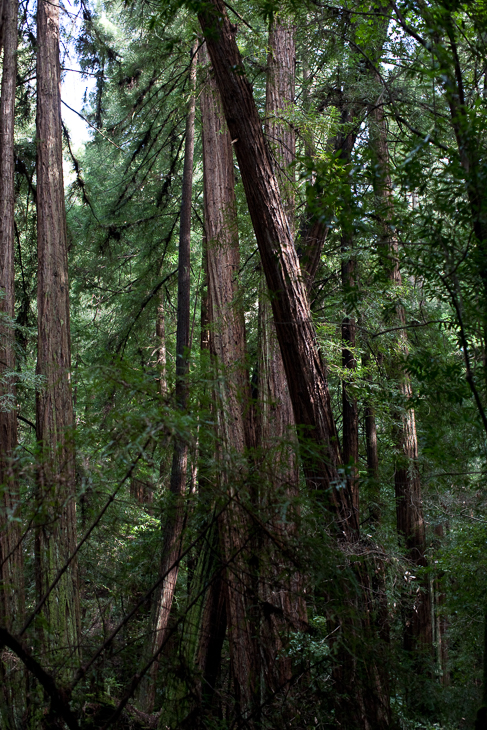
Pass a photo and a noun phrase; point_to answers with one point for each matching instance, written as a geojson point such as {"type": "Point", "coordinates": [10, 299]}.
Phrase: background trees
{"type": "Point", "coordinates": [326, 566]}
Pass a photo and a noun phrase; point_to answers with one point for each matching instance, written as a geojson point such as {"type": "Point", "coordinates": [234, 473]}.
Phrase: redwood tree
{"type": "Point", "coordinates": [306, 374]}
{"type": "Point", "coordinates": [56, 526]}
{"type": "Point", "coordinates": [11, 562]}
{"type": "Point", "coordinates": [281, 585]}
{"type": "Point", "coordinates": [234, 431]}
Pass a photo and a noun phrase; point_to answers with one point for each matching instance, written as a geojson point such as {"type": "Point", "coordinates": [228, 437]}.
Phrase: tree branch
{"type": "Point", "coordinates": [59, 698]}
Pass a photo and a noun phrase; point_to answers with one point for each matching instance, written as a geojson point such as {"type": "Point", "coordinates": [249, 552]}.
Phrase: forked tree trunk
{"type": "Point", "coordinates": [281, 588]}
{"type": "Point", "coordinates": [418, 635]}
{"type": "Point", "coordinates": [304, 369]}
{"type": "Point", "coordinates": [56, 531]}
{"type": "Point", "coordinates": [174, 520]}
{"type": "Point", "coordinates": [232, 388]}
{"type": "Point", "coordinates": [11, 562]}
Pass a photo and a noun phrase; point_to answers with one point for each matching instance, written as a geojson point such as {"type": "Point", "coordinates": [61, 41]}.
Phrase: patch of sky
{"type": "Point", "coordinates": [76, 85]}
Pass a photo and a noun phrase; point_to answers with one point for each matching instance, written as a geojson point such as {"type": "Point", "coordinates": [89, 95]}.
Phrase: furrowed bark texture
{"type": "Point", "coordinates": [11, 562]}
{"type": "Point", "coordinates": [275, 411]}
{"type": "Point", "coordinates": [304, 368]}
{"type": "Point", "coordinates": [280, 587]}
{"type": "Point", "coordinates": [174, 521]}
{"type": "Point", "coordinates": [305, 372]}
{"type": "Point", "coordinates": [418, 633]}
{"type": "Point", "coordinates": [56, 532]}
{"type": "Point", "coordinates": [232, 389]}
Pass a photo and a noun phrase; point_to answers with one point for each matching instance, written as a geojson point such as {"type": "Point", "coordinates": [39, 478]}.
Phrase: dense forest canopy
{"type": "Point", "coordinates": [243, 365]}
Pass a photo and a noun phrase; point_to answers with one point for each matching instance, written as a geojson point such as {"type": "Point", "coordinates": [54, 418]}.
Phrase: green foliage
{"type": "Point", "coordinates": [123, 205]}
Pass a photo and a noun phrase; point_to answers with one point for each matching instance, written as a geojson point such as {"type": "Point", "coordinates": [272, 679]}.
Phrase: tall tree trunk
{"type": "Point", "coordinates": [232, 387]}
{"type": "Point", "coordinates": [304, 368]}
{"type": "Point", "coordinates": [276, 435]}
{"type": "Point", "coordinates": [11, 562]}
{"type": "Point", "coordinates": [418, 633]}
{"type": "Point", "coordinates": [306, 375]}
{"type": "Point", "coordinates": [56, 532]}
{"type": "Point", "coordinates": [174, 521]}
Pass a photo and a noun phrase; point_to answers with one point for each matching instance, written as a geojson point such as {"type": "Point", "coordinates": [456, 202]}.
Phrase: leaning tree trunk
{"type": "Point", "coordinates": [409, 507]}
{"type": "Point", "coordinates": [174, 522]}
{"type": "Point", "coordinates": [304, 368]}
{"type": "Point", "coordinates": [303, 365]}
{"type": "Point", "coordinates": [276, 432]}
{"type": "Point", "coordinates": [11, 562]}
{"type": "Point", "coordinates": [56, 525]}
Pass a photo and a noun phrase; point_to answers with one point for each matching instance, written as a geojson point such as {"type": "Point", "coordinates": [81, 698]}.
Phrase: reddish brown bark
{"type": "Point", "coordinates": [304, 368]}
{"type": "Point", "coordinates": [280, 588]}
{"type": "Point", "coordinates": [276, 420]}
{"type": "Point", "coordinates": [11, 562]}
{"type": "Point", "coordinates": [56, 532]}
{"type": "Point", "coordinates": [232, 388]}
{"type": "Point", "coordinates": [11, 600]}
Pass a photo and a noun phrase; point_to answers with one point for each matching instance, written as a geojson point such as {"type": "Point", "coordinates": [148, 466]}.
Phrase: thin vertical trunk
{"type": "Point", "coordinates": [56, 532]}
{"type": "Point", "coordinates": [349, 401]}
{"type": "Point", "coordinates": [11, 563]}
{"type": "Point", "coordinates": [372, 701]}
{"type": "Point", "coordinates": [372, 456]}
{"type": "Point", "coordinates": [232, 388]}
{"type": "Point", "coordinates": [174, 521]}
{"type": "Point", "coordinates": [315, 231]}
{"type": "Point", "coordinates": [350, 409]}
{"type": "Point", "coordinates": [276, 435]}
{"type": "Point", "coordinates": [161, 344]}
{"type": "Point", "coordinates": [409, 507]}
{"type": "Point", "coordinates": [440, 621]}
{"type": "Point", "coordinates": [345, 144]}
